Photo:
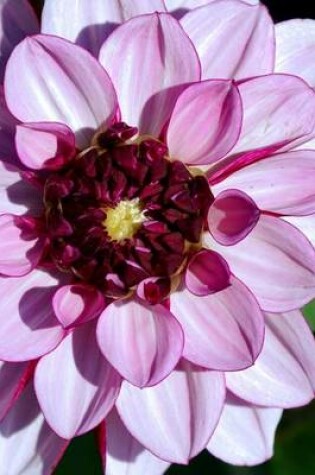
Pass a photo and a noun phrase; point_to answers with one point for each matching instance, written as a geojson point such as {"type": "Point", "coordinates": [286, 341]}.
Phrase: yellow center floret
{"type": "Point", "coordinates": [123, 221]}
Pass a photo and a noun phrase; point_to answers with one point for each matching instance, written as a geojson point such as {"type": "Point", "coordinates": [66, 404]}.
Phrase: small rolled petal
{"type": "Point", "coordinates": [282, 183]}
{"type": "Point", "coordinates": [77, 304]}
{"type": "Point", "coordinates": [76, 380]}
{"type": "Point", "coordinates": [275, 261]}
{"type": "Point", "coordinates": [207, 273]}
{"type": "Point", "coordinates": [278, 109]}
{"type": "Point", "coordinates": [249, 49]}
{"type": "Point", "coordinates": [144, 343]}
{"type": "Point", "coordinates": [124, 454]}
{"type": "Point", "coordinates": [18, 20]}
{"type": "Point", "coordinates": [205, 123]}
{"type": "Point", "coordinates": [57, 87]}
{"type": "Point", "coordinates": [230, 320]}
{"type": "Point", "coordinates": [295, 48]}
{"type": "Point", "coordinates": [17, 196]}
{"type": "Point", "coordinates": [13, 378]}
{"type": "Point", "coordinates": [27, 444]}
{"type": "Point", "coordinates": [284, 373]}
{"type": "Point", "coordinates": [154, 290]}
{"type": "Point", "coordinates": [147, 57]}
{"type": "Point", "coordinates": [176, 418]}
{"type": "Point", "coordinates": [232, 216]}
{"type": "Point", "coordinates": [29, 328]}
{"type": "Point", "coordinates": [44, 145]}
{"type": "Point", "coordinates": [21, 247]}
{"type": "Point", "coordinates": [89, 23]}
{"type": "Point", "coordinates": [245, 433]}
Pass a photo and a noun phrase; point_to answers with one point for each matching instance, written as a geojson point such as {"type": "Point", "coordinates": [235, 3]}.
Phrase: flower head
{"type": "Point", "coordinates": [144, 233]}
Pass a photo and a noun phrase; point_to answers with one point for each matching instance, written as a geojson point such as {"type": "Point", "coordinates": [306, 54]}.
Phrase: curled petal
{"type": "Point", "coordinates": [168, 419]}
{"type": "Point", "coordinates": [232, 216]}
{"type": "Point", "coordinates": [144, 343]}
{"type": "Point", "coordinates": [207, 273]}
{"type": "Point", "coordinates": [44, 144]}
{"type": "Point", "coordinates": [147, 57]}
{"type": "Point", "coordinates": [230, 320]}
{"type": "Point", "coordinates": [205, 123]}
{"type": "Point", "coordinates": [57, 87]}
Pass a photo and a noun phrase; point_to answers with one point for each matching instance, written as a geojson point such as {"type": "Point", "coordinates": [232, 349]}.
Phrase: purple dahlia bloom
{"type": "Point", "coordinates": [156, 194]}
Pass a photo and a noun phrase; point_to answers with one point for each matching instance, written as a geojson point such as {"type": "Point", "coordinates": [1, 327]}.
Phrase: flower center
{"type": "Point", "coordinates": [121, 212]}
{"type": "Point", "coordinates": [123, 221]}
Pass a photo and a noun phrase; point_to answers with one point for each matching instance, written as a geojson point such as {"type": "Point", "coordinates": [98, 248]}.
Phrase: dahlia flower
{"type": "Point", "coordinates": [154, 191]}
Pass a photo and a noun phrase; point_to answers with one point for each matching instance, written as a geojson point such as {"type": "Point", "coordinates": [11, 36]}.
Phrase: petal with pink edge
{"type": "Point", "coordinates": [284, 373]}
{"type": "Point", "coordinates": [205, 123]}
{"type": "Point", "coordinates": [207, 273]}
{"type": "Point", "coordinates": [278, 109]}
{"type": "Point", "coordinates": [275, 261]}
{"type": "Point", "coordinates": [89, 23]}
{"type": "Point", "coordinates": [57, 87]}
{"type": "Point", "coordinates": [27, 445]}
{"type": "Point", "coordinates": [44, 144]}
{"type": "Point", "coordinates": [295, 48]}
{"type": "Point", "coordinates": [147, 57]}
{"type": "Point", "coordinates": [7, 132]}
{"type": "Point", "coordinates": [282, 183]}
{"type": "Point", "coordinates": [176, 418]}
{"type": "Point", "coordinates": [248, 51]}
{"type": "Point", "coordinates": [245, 433]}
{"type": "Point", "coordinates": [21, 247]}
{"type": "Point", "coordinates": [17, 22]}
{"type": "Point", "coordinates": [76, 380]}
{"type": "Point", "coordinates": [232, 216]}
{"type": "Point", "coordinates": [124, 454]}
{"type": "Point", "coordinates": [223, 331]}
{"type": "Point", "coordinates": [77, 303]}
{"type": "Point", "coordinates": [143, 342]}
{"type": "Point", "coordinates": [17, 195]}
{"type": "Point", "coordinates": [13, 377]}
{"type": "Point", "coordinates": [29, 328]}
{"type": "Point", "coordinates": [306, 224]}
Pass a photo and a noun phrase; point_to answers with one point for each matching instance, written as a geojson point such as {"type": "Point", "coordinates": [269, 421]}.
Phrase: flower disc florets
{"type": "Point", "coordinates": [121, 212]}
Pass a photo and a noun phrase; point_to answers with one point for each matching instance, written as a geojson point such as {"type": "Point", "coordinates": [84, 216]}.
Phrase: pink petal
{"type": "Point", "coordinates": [27, 445]}
{"type": "Point", "coordinates": [282, 183]}
{"type": "Point", "coordinates": [89, 23]}
{"type": "Point", "coordinates": [223, 331]}
{"type": "Point", "coordinates": [44, 144]}
{"type": "Point", "coordinates": [7, 132]}
{"type": "Point", "coordinates": [57, 87]}
{"type": "Point", "coordinates": [76, 304]}
{"type": "Point", "coordinates": [232, 216]}
{"type": "Point", "coordinates": [245, 32]}
{"type": "Point", "coordinates": [143, 342]}
{"type": "Point", "coordinates": [284, 373]}
{"type": "Point", "coordinates": [176, 418]}
{"type": "Point", "coordinates": [18, 196]}
{"type": "Point", "coordinates": [207, 273]}
{"type": "Point", "coordinates": [13, 377]}
{"type": "Point", "coordinates": [306, 224]}
{"type": "Point", "coordinates": [146, 58]}
{"type": "Point", "coordinates": [30, 328]}
{"type": "Point", "coordinates": [295, 48]}
{"type": "Point", "coordinates": [205, 123]}
{"type": "Point", "coordinates": [75, 386]}
{"type": "Point", "coordinates": [20, 246]}
{"type": "Point", "coordinates": [245, 433]}
{"type": "Point", "coordinates": [17, 22]}
{"type": "Point", "coordinates": [277, 109]}
{"type": "Point", "coordinates": [276, 262]}
{"type": "Point", "coordinates": [124, 454]}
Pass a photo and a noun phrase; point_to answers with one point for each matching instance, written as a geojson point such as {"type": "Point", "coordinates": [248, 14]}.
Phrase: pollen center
{"type": "Point", "coordinates": [123, 221]}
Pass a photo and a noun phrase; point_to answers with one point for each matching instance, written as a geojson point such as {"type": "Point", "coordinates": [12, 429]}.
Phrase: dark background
{"type": "Point", "coordinates": [295, 441]}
